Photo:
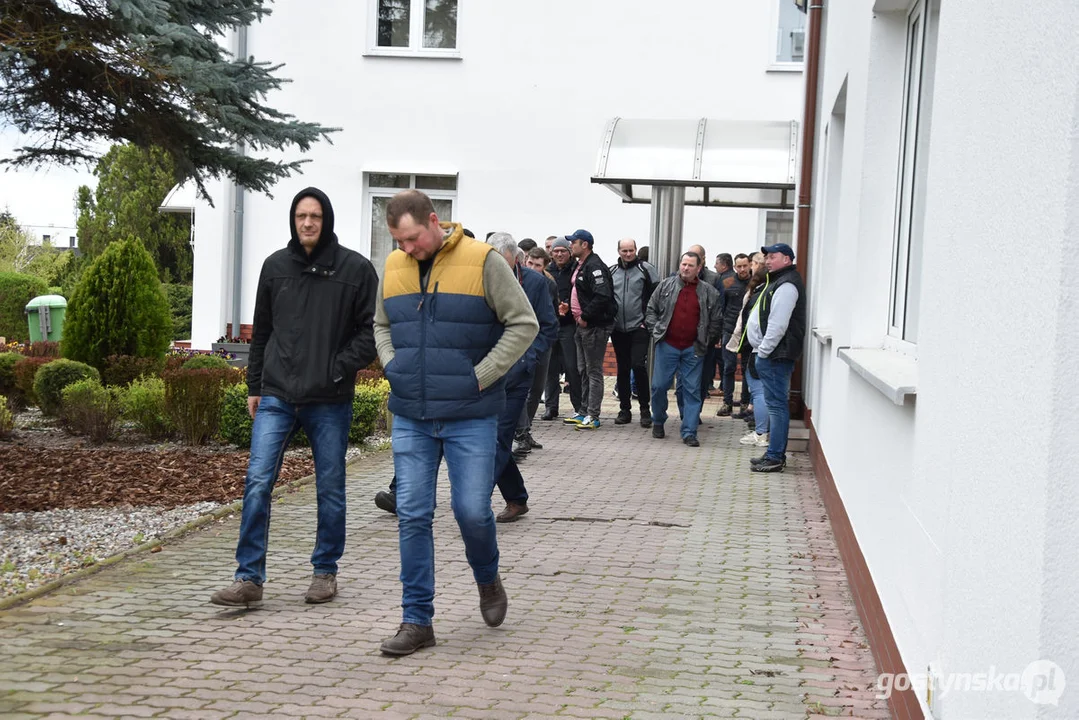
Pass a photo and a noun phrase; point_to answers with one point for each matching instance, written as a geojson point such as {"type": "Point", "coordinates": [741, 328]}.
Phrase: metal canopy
{"type": "Point", "coordinates": [720, 163]}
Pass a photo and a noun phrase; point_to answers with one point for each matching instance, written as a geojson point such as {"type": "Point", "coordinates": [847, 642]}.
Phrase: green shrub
{"type": "Point", "coordinates": [201, 362]}
{"type": "Point", "coordinates": [143, 403]}
{"type": "Point", "coordinates": [16, 290]}
{"type": "Point", "coordinates": [235, 421]}
{"type": "Point", "coordinates": [42, 348]}
{"type": "Point", "coordinates": [368, 410]}
{"type": "Point", "coordinates": [193, 401]}
{"type": "Point", "coordinates": [179, 297]}
{"type": "Point", "coordinates": [52, 378]}
{"type": "Point", "coordinates": [88, 408]}
{"type": "Point", "coordinates": [7, 418]}
{"type": "Point", "coordinates": [118, 308]}
{"type": "Point", "coordinates": [122, 370]}
{"type": "Point", "coordinates": [8, 361]}
{"type": "Point", "coordinates": [25, 372]}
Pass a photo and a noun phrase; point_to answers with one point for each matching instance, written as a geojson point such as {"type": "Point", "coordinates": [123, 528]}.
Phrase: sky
{"type": "Point", "coordinates": [41, 196]}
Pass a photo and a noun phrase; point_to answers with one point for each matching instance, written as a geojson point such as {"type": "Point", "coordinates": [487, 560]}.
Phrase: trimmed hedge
{"type": "Point", "coordinates": [88, 408]}
{"type": "Point", "coordinates": [201, 362]}
{"type": "Point", "coordinates": [8, 361]}
{"type": "Point", "coordinates": [7, 420]}
{"type": "Point", "coordinates": [143, 403]}
{"type": "Point", "coordinates": [122, 370]}
{"type": "Point", "coordinates": [51, 379]}
{"type": "Point", "coordinates": [17, 289]}
{"type": "Point", "coordinates": [25, 372]}
{"type": "Point", "coordinates": [193, 401]}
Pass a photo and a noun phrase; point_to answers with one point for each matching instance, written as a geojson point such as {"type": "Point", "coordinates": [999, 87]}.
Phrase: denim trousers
{"type": "Point", "coordinates": [469, 448]}
{"type": "Point", "coordinates": [760, 405]}
{"type": "Point", "coordinates": [327, 426]}
{"type": "Point", "coordinates": [539, 382]}
{"type": "Point", "coordinates": [728, 364]}
{"type": "Point", "coordinates": [507, 475]}
{"type": "Point", "coordinates": [687, 365]}
{"type": "Point", "coordinates": [591, 349]}
{"type": "Point", "coordinates": [776, 379]}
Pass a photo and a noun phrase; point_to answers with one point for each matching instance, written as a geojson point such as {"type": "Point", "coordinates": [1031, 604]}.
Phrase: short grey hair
{"type": "Point", "coordinates": [504, 243]}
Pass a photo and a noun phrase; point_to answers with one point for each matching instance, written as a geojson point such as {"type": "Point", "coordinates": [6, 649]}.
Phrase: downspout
{"type": "Point", "coordinates": [814, 18]}
{"type": "Point", "coordinates": [238, 217]}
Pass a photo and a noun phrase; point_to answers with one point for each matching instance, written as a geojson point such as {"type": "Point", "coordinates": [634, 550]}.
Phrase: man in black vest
{"type": "Point", "coordinates": [776, 331]}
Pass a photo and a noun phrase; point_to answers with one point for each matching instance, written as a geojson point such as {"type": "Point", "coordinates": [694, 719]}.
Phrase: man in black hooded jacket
{"type": "Point", "coordinates": [313, 330]}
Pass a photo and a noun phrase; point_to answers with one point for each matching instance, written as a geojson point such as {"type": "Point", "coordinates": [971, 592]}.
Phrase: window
{"type": "Point", "coordinates": [776, 226]}
{"type": "Point", "coordinates": [414, 27]}
{"type": "Point", "coordinates": [788, 52]}
{"type": "Point", "coordinates": [442, 189]}
{"type": "Point", "coordinates": [71, 241]}
{"type": "Point", "coordinates": [910, 204]}
{"type": "Point", "coordinates": [46, 239]}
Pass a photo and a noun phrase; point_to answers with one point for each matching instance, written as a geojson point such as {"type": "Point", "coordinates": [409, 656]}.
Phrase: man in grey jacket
{"type": "Point", "coordinates": [684, 319]}
{"type": "Point", "coordinates": [633, 281]}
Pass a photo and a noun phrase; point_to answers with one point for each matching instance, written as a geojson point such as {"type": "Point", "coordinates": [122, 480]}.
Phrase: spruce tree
{"type": "Point", "coordinates": [78, 73]}
{"type": "Point", "coordinates": [118, 308]}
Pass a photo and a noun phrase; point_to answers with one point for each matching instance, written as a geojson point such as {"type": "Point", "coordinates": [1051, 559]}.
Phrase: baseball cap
{"type": "Point", "coordinates": [779, 248]}
{"type": "Point", "coordinates": [560, 243]}
{"type": "Point", "coordinates": [582, 235]}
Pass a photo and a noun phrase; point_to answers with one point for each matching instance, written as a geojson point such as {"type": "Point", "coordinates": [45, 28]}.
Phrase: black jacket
{"type": "Point", "coordinates": [732, 291]}
{"type": "Point", "coordinates": [314, 318]}
{"type": "Point", "coordinates": [563, 278]}
{"type": "Point", "coordinates": [790, 345]}
{"type": "Point", "coordinates": [595, 292]}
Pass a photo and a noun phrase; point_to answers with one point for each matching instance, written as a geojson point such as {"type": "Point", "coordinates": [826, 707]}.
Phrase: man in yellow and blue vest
{"type": "Point", "coordinates": [450, 321]}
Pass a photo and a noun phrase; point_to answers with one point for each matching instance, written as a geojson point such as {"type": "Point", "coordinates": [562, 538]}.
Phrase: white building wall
{"type": "Point", "coordinates": [520, 117]}
{"type": "Point", "coordinates": [964, 501]}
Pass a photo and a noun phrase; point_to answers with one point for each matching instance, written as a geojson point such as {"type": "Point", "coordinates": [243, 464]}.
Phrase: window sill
{"type": "Point", "coordinates": [894, 374]}
{"type": "Point", "coordinates": [786, 67]}
{"type": "Point", "coordinates": [823, 335]}
{"type": "Point", "coordinates": [409, 53]}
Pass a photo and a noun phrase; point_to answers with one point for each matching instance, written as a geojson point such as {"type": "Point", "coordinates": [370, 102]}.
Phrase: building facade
{"type": "Point", "coordinates": [498, 111]}
{"type": "Point", "coordinates": [944, 294]}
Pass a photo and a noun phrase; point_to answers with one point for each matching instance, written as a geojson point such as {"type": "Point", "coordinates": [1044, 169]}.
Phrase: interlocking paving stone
{"type": "Point", "coordinates": [649, 580]}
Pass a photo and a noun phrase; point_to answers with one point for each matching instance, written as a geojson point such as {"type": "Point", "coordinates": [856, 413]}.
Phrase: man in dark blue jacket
{"type": "Point", "coordinates": [519, 379]}
{"type": "Point", "coordinates": [313, 330]}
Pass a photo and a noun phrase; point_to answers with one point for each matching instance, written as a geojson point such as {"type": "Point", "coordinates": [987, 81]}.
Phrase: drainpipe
{"type": "Point", "coordinates": [238, 218]}
{"type": "Point", "coordinates": [814, 18]}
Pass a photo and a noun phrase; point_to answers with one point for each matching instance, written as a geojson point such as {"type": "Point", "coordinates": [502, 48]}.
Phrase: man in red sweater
{"type": "Point", "coordinates": [684, 319]}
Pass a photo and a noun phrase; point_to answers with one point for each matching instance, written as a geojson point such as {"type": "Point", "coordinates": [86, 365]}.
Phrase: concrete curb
{"type": "Point", "coordinates": [174, 534]}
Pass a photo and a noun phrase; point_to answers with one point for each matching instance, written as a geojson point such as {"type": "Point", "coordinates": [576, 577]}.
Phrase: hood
{"type": "Point", "coordinates": [327, 238]}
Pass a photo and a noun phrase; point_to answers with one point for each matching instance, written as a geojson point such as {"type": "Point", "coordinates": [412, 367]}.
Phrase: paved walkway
{"type": "Point", "coordinates": [648, 580]}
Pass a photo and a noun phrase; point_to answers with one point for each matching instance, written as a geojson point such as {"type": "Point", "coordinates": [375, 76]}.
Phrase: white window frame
{"type": "Point", "coordinates": [415, 47]}
{"type": "Point", "coordinates": [915, 76]}
{"type": "Point", "coordinates": [370, 193]}
{"type": "Point", "coordinates": [775, 65]}
{"type": "Point", "coordinates": [762, 224]}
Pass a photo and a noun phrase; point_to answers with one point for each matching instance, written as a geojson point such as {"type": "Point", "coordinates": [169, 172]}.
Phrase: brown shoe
{"type": "Point", "coordinates": [512, 512]}
{"type": "Point", "coordinates": [493, 602]}
{"type": "Point", "coordinates": [724, 411]}
{"type": "Point", "coordinates": [409, 639]}
{"type": "Point", "coordinates": [323, 589]}
{"type": "Point", "coordinates": [241, 593]}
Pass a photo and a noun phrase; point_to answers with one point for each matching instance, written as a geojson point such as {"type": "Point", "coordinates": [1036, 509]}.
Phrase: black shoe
{"type": "Point", "coordinates": [409, 639]}
{"type": "Point", "coordinates": [624, 417]}
{"type": "Point", "coordinates": [769, 465]}
{"type": "Point", "coordinates": [657, 432]}
{"type": "Point", "coordinates": [532, 441]}
{"type": "Point", "coordinates": [763, 459]}
{"type": "Point", "coordinates": [493, 602]}
{"type": "Point", "coordinates": [724, 411]}
{"type": "Point", "coordinates": [646, 419]}
{"type": "Point", "coordinates": [742, 414]}
{"type": "Point", "coordinates": [549, 415]}
{"type": "Point", "coordinates": [691, 440]}
{"type": "Point", "coordinates": [386, 501]}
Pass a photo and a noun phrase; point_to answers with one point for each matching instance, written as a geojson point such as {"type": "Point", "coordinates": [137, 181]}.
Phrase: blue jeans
{"type": "Point", "coordinates": [728, 362]}
{"type": "Point", "coordinates": [687, 365]}
{"type": "Point", "coordinates": [276, 421]}
{"type": "Point", "coordinates": [760, 405]}
{"type": "Point", "coordinates": [507, 475]}
{"type": "Point", "coordinates": [469, 448]}
{"type": "Point", "coordinates": [776, 379]}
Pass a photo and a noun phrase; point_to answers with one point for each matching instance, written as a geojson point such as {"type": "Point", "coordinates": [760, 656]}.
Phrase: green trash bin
{"type": "Point", "coordinates": [45, 314]}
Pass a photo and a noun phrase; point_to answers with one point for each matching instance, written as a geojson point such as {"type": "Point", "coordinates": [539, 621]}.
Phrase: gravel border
{"type": "Point", "coordinates": [44, 550]}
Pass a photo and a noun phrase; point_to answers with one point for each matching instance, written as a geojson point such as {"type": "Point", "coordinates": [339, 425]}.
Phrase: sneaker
{"type": "Point", "coordinates": [575, 420]}
{"type": "Point", "coordinates": [646, 419]}
{"type": "Point", "coordinates": [691, 440]}
{"type": "Point", "coordinates": [589, 423]}
{"type": "Point", "coordinates": [742, 414]}
{"type": "Point", "coordinates": [724, 411]}
{"type": "Point", "coordinates": [521, 447]}
{"type": "Point", "coordinates": [241, 593]}
{"type": "Point", "coordinates": [769, 465]}
{"type": "Point", "coordinates": [323, 589]}
{"type": "Point", "coordinates": [493, 602]}
{"type": "Point", "coordinates": [409, 639]}
{"type": "Point", "coordinates": [762, 441]}
{"type": "Point", "coordinates": [752, 438]}
{"type": "Point", "coordinates": [763, 459]}
{"type": "Point", "coordinates": [624, 417]}
{"type": "Point", "coordinates": [385, 500]}
{"type": "Point", "coordinates": [657, 432]}
{"type": "Point", "coordinates": [512, 512]}
{"type": "Point", "coordinates": [532, 441]}
{"type": "Point", "coordinates": [549, 415]}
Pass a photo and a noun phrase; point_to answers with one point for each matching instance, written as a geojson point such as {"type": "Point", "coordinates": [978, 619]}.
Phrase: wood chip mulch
{"type": "Point", "coordinates": [54, 478]}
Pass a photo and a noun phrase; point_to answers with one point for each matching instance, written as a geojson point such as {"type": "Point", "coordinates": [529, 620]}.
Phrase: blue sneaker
{"type": "Point", "coordinates": [588, 423]}
{"type": "Point", "coordinates": [575, 420]}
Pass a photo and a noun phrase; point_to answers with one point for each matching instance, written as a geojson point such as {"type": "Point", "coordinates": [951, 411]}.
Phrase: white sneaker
{"type": "Point", "coordinates": [762, 440]}
{"type": "Point", "coordinates": [752, 438]}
